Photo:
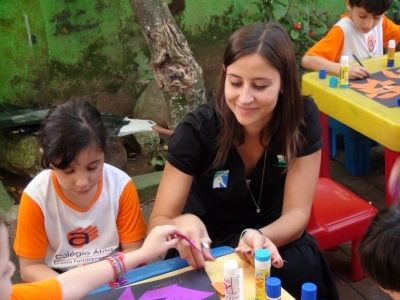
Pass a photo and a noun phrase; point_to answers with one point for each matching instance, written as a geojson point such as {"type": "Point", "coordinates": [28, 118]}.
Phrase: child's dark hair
{"type": "Point", "coordinates": [68, 129]}
{"type": "Point", "coordinates": [374, 7]}
{"type": "Point", "coordinates": [379, 249]}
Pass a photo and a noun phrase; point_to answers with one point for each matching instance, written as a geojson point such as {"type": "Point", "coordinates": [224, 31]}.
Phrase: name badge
{"type": "Point", "coordinates": [221, 179]}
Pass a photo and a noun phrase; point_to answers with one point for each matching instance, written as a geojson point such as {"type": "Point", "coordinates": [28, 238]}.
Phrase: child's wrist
{"type": "Point", "coordinates": [119, 269]}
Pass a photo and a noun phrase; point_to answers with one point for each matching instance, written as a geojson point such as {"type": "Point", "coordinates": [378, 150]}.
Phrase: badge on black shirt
{"type": "Point", "coordinates": [220, 180]}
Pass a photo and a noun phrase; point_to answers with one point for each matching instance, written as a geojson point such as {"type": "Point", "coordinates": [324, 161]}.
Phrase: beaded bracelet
{"type": "Point", "coordinates": [118, 265]}
{"type": "Point", "coordinates": [245, 230]}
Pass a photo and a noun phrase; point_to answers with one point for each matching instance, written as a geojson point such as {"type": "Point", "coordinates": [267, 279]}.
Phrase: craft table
{"type": "Point", "coordinates": [214, 269]}
{"type": "Point", "coordinates": [363, 114]}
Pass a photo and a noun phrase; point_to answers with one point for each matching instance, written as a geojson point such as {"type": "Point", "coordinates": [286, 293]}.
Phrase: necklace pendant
{"type": "Point", "coordinates": [258, 210]}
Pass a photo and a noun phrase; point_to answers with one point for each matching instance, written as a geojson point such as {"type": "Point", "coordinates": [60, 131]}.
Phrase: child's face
{"type": "Point", "coordinates": [363, 20]}
{"type": "Point", "coordinates": [7, 268]}
{"type": "Point", "coordinates": [80, 179]}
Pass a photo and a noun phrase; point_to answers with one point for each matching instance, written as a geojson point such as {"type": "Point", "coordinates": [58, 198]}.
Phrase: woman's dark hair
{"type": "Point", "coordinates": [379, 249]}
{"type": "Point", "coordinates": [374, 7]}
{"type": "Point", "coordinates": [271, 41]}
{"type": "Point", "coordinates": [68, 129]}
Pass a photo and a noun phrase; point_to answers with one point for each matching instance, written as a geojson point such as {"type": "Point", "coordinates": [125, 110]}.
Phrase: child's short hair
{"type": "Point", "coordinates": [379, 249]}
{"type": "Point", "coordinates": [374, 7]}
{"type": "Point", "coordinates": [68, 129]}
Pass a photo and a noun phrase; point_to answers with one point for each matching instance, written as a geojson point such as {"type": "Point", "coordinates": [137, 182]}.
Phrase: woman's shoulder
{"type": "Point", "coordinates": [204, 115]}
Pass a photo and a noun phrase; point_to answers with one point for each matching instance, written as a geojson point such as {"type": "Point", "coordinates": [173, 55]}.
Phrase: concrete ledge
{"type": "Point", "coordinates": [146, 185]}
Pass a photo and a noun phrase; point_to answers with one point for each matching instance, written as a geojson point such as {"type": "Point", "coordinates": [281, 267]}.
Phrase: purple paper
{"type": "Point", "coordinates": [127, 295]}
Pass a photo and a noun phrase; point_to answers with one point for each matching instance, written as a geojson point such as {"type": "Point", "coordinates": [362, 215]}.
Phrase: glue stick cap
{"type": "Point", "coordinates": [231, 268]}
{"type": "Point", "coordinates": [273, 287]}
{"type": "Point", "coordinates": [263, 255]}
{"type": "Point", "coordinates": [322, 74]}
{"type": "Point", "coordinates": [344, 60]}
{"type": "Point", "coordinates": [392, 44]}
{"type": "Point", "coordinates": [333, 82]}
{"type": "Point", "coordinates": [308, 291]}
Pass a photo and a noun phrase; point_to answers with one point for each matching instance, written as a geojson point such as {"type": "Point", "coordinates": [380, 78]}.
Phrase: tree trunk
{"type": "Point", "coordinates": [177, 73]}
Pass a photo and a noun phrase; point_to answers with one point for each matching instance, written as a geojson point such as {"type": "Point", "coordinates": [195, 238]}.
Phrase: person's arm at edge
{"type": "Point", "coordinates": [299, 192]}
{"type": "Point", "coordinates": [391, 31]}
{"type": "Point", "coordinates": [79, 281]}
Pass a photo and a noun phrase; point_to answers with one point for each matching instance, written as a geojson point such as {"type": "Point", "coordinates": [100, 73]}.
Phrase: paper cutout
{"type": "Point", "coordinates": [127, 295]}
{"type": "Point", "coordinates": [383, 87]}
{"type": "Point", "coordinates": [193, 284]}
{"type": "Point", "coordinates": [172, 291]}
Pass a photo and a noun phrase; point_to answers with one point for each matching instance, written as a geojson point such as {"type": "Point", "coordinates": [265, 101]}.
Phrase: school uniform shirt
{"type": "Point", "coordinates": [220, 197]}
{"type": "Point", "coordinates": [48, 289]}
{"type": "Point", "coordinates": [50, 226]}
{"type": "Point", "coordinates": [345, 39]}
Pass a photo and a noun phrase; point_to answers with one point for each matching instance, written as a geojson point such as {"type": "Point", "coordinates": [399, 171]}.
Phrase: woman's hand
{"type": "Point", "coordinates": [159, 240]}
{"type": "Point", "coordinates": [252, 240]}
{"type": "Point", "coordinates": [193, 228]}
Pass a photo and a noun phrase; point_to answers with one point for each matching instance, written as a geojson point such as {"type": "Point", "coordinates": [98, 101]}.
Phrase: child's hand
{"type": "Point", "coordinates": [159, 240]}
{"type": "Point", "coordinates": [253, 240]}
{"type": "Point", "coordinates": [358, 72]}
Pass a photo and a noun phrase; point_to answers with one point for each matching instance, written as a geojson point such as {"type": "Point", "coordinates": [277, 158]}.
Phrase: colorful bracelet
{"type": "Point", "coordinates": [118, 265]}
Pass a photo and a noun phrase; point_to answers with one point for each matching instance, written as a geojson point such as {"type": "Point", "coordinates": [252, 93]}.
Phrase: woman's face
{"type": "Point", "coordinates": [7, 268]}
{"type": "Point", "coordinates": [252, 88]}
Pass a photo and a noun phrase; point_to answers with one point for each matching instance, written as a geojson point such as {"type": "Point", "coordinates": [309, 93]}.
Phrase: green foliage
{"type": "Point", "coordinates": [394, 11]}
{"type": "Point", "coordinates": [303, 21]}
{"type": "Point", "coordinates": [157, 161]}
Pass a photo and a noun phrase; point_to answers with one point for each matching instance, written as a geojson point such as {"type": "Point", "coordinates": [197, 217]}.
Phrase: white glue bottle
{"type": "Point", "coordinates": [274, 288]}
{"type": "Point", "coordinates": [390, 53]}
{"type": "Point", "coordinates": [262, 266]}
{"type": "Point", "coordinates": [231, 280]}
{"type": "Point", "coordinates": [344, 72]}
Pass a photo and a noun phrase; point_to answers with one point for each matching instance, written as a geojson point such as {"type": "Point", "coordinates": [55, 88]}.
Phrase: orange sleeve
{"type": "Point", "coordinates": [30, 239]}
{"type": "Point", "coordinates": [391, 31]}
{"type": "Point", "coordinates": [48, 289]}
{"type": "Point", "coordinates": [330, 46]}
{"type": "Point", "coordinates": [130, 221]}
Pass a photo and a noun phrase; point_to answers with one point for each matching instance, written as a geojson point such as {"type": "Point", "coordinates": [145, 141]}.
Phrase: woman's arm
{"type": "Point", "coordinates": [78, 282]}
{"type": "Point", "coordinates": [35, 269]}
{"type": "Point", "coordinates": [299, 191]}
{"type": "Point", "coordinates": [170, 200]}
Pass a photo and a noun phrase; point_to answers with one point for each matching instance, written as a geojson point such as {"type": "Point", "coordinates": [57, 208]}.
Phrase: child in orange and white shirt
{"type": "Point", "coordinates": [364, 31]}
{"type": "Point", "coordinates": [79, 209]}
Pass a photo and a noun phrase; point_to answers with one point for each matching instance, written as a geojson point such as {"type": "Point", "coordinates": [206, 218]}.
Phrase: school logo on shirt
{"type": "Point", "coordinates": [221, 179]}
{"type": "Point", "coordinates": [81, 236]}
{"type": "Point", "coordinates": [280, 161]}
{"type": "Point", "coordinates": [371, 42]}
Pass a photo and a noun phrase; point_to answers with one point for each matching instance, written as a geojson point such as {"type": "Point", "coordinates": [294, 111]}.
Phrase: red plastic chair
{"type": "Point", "coordinates": [338, 215]}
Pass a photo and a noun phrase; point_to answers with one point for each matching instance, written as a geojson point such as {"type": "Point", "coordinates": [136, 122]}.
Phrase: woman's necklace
{"type": "Point", "coordinates": [248, 181]}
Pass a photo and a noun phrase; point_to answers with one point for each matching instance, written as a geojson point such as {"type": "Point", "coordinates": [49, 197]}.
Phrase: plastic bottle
{"type": "Point", "coordinates": [344, 72]}
{"type": "Point", "coordinates": [273, 288]}
{"type": "Point", "coordinates": [390, 53]}
{"type": "Point", "coordinates": [231, 280]}
{"type": "Point", "coordinates": [308, 291]}
{"type": "Point", "coordinates": [262, 266]}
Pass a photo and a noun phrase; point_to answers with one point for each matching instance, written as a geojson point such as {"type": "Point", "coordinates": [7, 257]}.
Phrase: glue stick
{"type": "Point", "coordinates": [262, 266]}
{"type": "Point", "coordinates": [231, 280]}
{"type": "Point", "coordinates": [344, 72]}
{"type": "Point", "coordinates": [390, 53]}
